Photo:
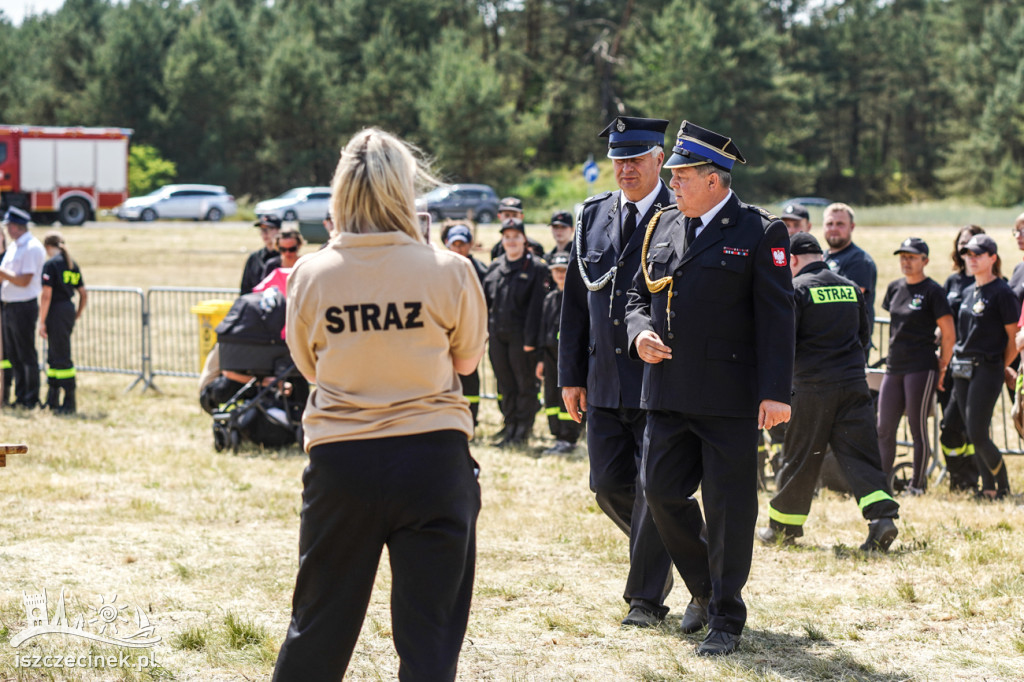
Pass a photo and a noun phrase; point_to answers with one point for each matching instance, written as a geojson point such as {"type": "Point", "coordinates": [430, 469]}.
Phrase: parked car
{"type": "Point", "coordinates": [456, 201]}
{"type": "Point", "coordinates": [198, 202]}
{"type": "Point", "coordinates": [807, 201]}
{"type": "Point", "coordinates": [300, 203]}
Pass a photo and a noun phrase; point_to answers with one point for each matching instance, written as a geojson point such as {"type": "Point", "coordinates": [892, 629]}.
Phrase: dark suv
{"type": "Point", "coordinates": [456, 201]}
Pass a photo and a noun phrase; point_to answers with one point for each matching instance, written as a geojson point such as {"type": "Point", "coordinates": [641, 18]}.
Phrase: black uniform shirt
{"type": "Point", "coordinates": [62, 279]}
{"type": "Point", "coordinates": [954, 286]}
{"type": "Point", "coordinates": [515, 295]}
{"type": "Point", "coordinates": [552, 312]}
{"type": "Point", "coordinates": [854, 263]}
{"type": "Point", "coordinates": [252, 274]}
{"type": "Point", "coordinates": [914, 310]}
{"type": "Point", "coordinates": [832, 327]}
{"type": "Point", "coordinates": [984, 314]}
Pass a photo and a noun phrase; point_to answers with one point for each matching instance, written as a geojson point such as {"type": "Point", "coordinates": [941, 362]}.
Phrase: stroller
{"type": "Point", "coordinates": [261, 410]}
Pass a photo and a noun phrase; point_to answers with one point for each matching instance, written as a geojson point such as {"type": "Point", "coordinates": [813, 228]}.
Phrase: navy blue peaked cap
{"type": "Point", "coordinates": [629, 136]}
{"type": "Point", "coordinates": [696, 146]}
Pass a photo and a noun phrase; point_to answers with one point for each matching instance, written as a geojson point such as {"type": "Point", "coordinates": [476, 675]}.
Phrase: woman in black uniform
{"type": "Point", "coordinates": [515, 287]}
{"type": "Point", "coordinates": [916, 305]}
{"type": "Point", "coordinates": [956, 447]}
{"type": "Point", "coordinates": [57, 315]}
{"type": "Point", "coordinates": [985, 346]}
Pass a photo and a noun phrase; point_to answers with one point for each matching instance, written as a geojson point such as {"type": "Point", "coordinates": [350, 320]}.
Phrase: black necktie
{"type": "Point", "coordinates": [629, 223]}
{"type": "Point", "coordinates": [692, 225]}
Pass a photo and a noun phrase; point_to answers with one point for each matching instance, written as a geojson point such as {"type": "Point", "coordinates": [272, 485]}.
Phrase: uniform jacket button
{"type": "Point", "coordinates": [678, 273]}
{"type": "Point", "coordinates": [622, 263]}
{"type": "Point", "coordinates": [671, 336]}
{"type": "Point", "coordinates": [618, 292]}
{"type": "Point", "coordinates": [618, 351]}
{"type": "Point", "coordinates": [723, 263]}
{"type": "Point", "coordinates": [616, 322]}
{"type": "Point", "coordinates": [672, 314]}
{"type": "Point", "coordinates": [733, 356]}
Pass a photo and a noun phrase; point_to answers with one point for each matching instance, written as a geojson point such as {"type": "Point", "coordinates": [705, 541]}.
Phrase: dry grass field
{"type": "Point", "coordinates": [129, 498]}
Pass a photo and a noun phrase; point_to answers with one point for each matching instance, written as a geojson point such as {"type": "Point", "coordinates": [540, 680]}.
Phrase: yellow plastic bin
{"type": "Point", "coordinates": [210, 314]}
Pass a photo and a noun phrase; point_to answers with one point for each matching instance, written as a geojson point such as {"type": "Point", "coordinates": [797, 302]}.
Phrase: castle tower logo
{"type": "Point", "coordinates": [107, 622]}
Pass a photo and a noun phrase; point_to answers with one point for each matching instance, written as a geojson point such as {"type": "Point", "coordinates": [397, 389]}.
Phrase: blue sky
{"type": "Point", "coordinates": [16, 10]}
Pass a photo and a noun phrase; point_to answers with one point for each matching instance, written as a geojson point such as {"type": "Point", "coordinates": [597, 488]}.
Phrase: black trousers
{"type": "Point", "coordinates": [20, 320]}
{"type": "Point", "coordinates": [419, 496]}
{"type": "Point", "coordinates": [956, 447]}
{"type": "Point", "coordinates": [615, 441]}
{"type": "Point", "coordinates": [515, 372]}
{"type": "Point", "coordinates": [976, 398]}
{"type": "Point", "coordinates": [561, 425]}
{"type": "Point", "coordinates": [843, 416]}
{"type": "Point", "coordinates": [471, 389]}
{"type": "Point", "coordinates": [60, 370]}
{"type": "Point", "coordinates": [718, 454]}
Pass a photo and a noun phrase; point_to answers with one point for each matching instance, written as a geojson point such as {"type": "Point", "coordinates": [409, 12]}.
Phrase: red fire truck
{"type": "Point", "coordinates": [65, 174]}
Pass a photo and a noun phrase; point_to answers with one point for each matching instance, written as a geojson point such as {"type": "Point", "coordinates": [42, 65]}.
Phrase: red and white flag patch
{"type": "Point", "coordinates": [779, 257]}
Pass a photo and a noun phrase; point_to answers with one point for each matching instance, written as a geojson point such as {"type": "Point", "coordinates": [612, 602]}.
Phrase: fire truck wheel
{"type": "Point", "coordinates": [149, 215]}
{"type": "Point", "coordinates": [74, 211]}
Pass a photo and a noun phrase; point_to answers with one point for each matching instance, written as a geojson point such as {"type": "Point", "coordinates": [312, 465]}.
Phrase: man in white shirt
{"type": "Point", "coordinates": [20, 285]}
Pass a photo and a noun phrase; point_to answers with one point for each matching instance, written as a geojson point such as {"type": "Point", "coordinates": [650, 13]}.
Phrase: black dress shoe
{"type": "Point", "coordinates": [718, 643]}
{"type": "Point", "coordinates": [695, 617]}
{"type": "Point", "coordinates": [642, 617]}
{"type": "Point", "coordinates": [881, 533]}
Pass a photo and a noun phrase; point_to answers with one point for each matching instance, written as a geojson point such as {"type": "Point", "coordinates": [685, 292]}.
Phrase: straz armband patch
{"type": "Point", "coordinates": [733, 251]}
{"type": "Point", "coordinates": [779, 256]}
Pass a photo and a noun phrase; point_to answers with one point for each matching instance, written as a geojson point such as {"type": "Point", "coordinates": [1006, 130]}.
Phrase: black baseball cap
{"type": "Point", "coordinates": [559, 261]}
{"type": "Point", "coordinates": [268, 221]}
{"type": "Point", "coordinates": [513, 224]}
{"type": "Point", "coordinates": [563, 218]}
{"type": "Point", "coordinates": [511, 204]}
{"type": "Point", "coordinates": [795, 212]}
{"type": "Point", "coordinates": [802, 243]}
{"type": "Point", "coordinates": [914, 245]}
{"type": "Point", "coordinates": [980, 243]}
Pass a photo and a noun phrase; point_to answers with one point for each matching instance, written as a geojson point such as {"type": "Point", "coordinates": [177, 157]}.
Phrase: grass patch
{"type": "Point", "coordinates": [194, 638]}
{"type": "Point", "coordinates": [243, 632]}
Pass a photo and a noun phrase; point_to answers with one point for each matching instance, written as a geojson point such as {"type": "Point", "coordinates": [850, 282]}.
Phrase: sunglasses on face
{"type": "Point", "coordinates": [288, 249]}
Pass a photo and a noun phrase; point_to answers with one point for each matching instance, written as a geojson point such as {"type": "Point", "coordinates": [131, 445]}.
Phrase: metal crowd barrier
{"type": "Point", "coordinates": [172, 329]}
{"type": "Point", "coordinates": [110, 336]}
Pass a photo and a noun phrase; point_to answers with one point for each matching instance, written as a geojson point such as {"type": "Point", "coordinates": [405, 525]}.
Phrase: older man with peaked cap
{"type": "Point", "coordinates": [711, 315]}
{"type": "Point", "coordinates": [595, 372]}
{"type": "Point", "coordinates": [21, 273]}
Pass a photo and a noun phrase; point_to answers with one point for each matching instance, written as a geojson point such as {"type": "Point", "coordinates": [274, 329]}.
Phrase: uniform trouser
{"type": "Point", "coordinates": [719, 454]}
{"type": "Point", "coordinates": [840, 415]}
{"type": "Point", "coordinates": [471, 389]}
{"type": "Point", "coordinates": [60, 370]}
{"type": "Point", "coordinates": [515, 371]}
{"type": "Point", "coordinates": [976, 398]}
{"type": "Point", "coordinates": [956, 447]}
{"type": "Point", "coordinates": [909, 392]}
{"type": "Point", "coordinates": [419, 496]}
{"type": "Point", "coordinates": [615, 439]}
{"type": "Point", "coordinates": [20, 320]}
{"type": "Point", "coordinates": [562, 426]}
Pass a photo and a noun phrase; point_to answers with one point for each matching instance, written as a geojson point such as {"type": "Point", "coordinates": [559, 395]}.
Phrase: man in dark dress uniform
{"type": "Point", "coordinates": [831, 403]}
{"type": "Point", "coordinates": [269, 226]}
{"type": "Point", "coordinates": [594, 369]}
{"type": "Point", "coordinates": [711, 313]}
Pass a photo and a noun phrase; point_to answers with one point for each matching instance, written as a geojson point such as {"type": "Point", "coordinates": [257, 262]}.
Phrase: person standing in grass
{"type": "Point", "coordinates": [957, 448]}
{"type": "Point", "coordinates": [62, 279]}
{"type": "Point", "coordinates": [916, 305]}
{"type": "Point", "coordinates": [383, 323]}
{"type": "Point", "coordinates": [985, 347]}
{"type": "Point", "coordinates": [560, 422]}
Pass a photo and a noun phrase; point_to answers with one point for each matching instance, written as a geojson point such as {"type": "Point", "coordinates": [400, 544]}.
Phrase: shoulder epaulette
{"type": "Point", "coordinates": [596, 197]}
{"type": "Point", "coordinates": [766, 217]}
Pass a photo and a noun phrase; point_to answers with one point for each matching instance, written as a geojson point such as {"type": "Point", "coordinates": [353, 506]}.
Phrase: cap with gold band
{"type": "Point", "coordinates": [696, 146]}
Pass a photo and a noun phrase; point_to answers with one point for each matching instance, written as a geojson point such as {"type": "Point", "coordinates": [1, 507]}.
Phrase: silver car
{"type": "Point", "coordinates": [300, 203]}
{"type": "Point", "coordinates": [196, 202]}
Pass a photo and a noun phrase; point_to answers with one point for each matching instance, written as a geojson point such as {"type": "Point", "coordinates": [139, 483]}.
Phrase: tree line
{"type": "Point", "coordinates": [869, 101]}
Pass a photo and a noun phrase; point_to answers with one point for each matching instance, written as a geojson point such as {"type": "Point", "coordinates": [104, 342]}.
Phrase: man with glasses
{"type": "Point", "coordinates": [269, 226]}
